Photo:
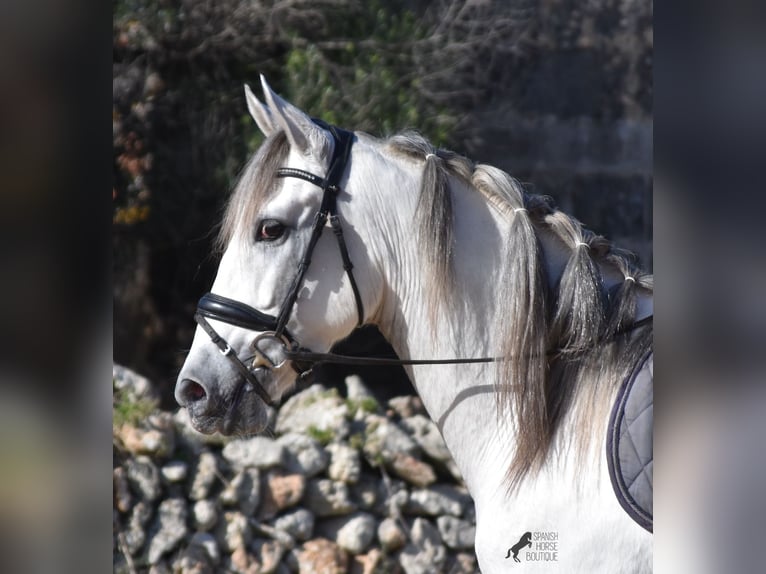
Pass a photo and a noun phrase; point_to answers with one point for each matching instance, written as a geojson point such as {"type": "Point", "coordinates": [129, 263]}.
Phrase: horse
{"type": "Point", "coordinates": [516, 323]}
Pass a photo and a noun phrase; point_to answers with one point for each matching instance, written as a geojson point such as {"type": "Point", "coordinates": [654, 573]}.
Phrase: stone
{"type": "Point", "coordinates": [281, 491]}
{"type": "Point", "coordinates": [456, 533]}
{"type": "Point", "coordinates": [321, 556]}
{"type": "Point", "coordinates": [155, 436]}
{"type": "Point", "coordinates": [122, 497]}
{"type": "Point", "coordinates": [144, 476]}
{"type": "Point", "coordinates": [427, 436]}
{"type": "Point", "coordinates": [243, 562]}
{"type": "Point", "coordinates": [374, 562]}
{"type": "Point", "coordinates": [356, 390]}
{"type": "Point", "coordinates": [365, 492]}
{"type": "Point", "coordinates": [205, 513]}
{"type": "Point", "coordinates": [384, 439]}
{"type": "Point", "coordinates": [304, 455]}
{"type": "Point", "coordinates": [345, 464]}
{"type": "Point", "coordinates": [391, 535]}
{"type": "Point", "coordinates": [207, 541]}
{"type": "Point", "coordinates": [299, 524]}
{"type": "Point", "coordinates": [244, 491]}
{"type": "Point", "coordinates": [462, 563]}
{"type": "Point", "coordinates": [291, 561]}
{"type": "Point", "coordinates": [133, 386]}
{"type": "Point", "coordinates": [169, 529]}
{"type": "Point", "coordinates": [454, 471]}
{"type": "Point", "coordinates": [426, 553]}
{"type": "Point", "coordinates": [204, 476]}
{"type": "Point", "coordinates": [258, 451]}
{"type": "Point", "coordinates": [433, 502]}
{"type": "Point", "coordinates": [328, 498]}
{"type": "Point", "coordinates": [406, 406]}
{"type": "Point", "coordinates": [193, 560]}
{"type": "Point", "coordinates": [357, 533]}
{"type": "Point", "coordinates": [393, 495]}
{"type": "Point", "coordinates": [159, 568]}
{"type": "Point", "coordinates": [315, 410]}
{"type": "Point", "coordinates": [412, 470]}
{"type": "Point", "coordinates": [234, 531]}
{"type": "Point", "coordinates": [424, 534]}
{"type": "Point", "coordinates": [268, 553]}
{"type": "Point", "coordinates": [175, 471]}
{"type": "Point", "coordinates": [135, 534]}
{"type": "Point", "coordinates": [267, 531]}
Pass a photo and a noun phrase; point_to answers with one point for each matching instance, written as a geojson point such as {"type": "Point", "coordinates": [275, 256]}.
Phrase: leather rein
{"type": "Point", "coordinates": [230, 311]}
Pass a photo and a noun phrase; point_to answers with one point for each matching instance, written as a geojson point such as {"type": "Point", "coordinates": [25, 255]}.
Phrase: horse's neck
{"type": "Point", "coordinates": [454, 395]}
{"type": "Point", "coordinates": [460, 398]}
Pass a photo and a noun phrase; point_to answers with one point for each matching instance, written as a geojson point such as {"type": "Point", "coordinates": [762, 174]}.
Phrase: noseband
{"type": "Point", "coordinates": [218, 308]}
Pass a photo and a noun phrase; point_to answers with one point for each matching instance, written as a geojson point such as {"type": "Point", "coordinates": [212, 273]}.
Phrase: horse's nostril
{"type": "Point", "coordinates": [190, 392]}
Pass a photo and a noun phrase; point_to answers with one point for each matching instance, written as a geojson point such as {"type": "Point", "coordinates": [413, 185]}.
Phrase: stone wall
{"type": "Point", "coordinates": [337, 485]}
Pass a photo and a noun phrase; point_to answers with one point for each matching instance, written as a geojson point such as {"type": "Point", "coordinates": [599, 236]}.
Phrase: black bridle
{"type": "Point", "coordinates": [218, 308]}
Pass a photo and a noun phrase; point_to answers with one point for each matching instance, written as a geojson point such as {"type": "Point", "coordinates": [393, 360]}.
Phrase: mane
{"type": "Point", "coordinates": [555, 338]}
{"type": "Point", "coordinates": [255, 186]}
{"type": "Point", "coordinates": [434, 214]}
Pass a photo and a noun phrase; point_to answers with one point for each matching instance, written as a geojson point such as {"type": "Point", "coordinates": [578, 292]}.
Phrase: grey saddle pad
{"type": "Point", "coordinates": [629, 443]}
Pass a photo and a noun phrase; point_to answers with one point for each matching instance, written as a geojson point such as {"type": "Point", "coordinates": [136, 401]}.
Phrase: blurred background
{"type": "Point", "coordinates": [556, 92]}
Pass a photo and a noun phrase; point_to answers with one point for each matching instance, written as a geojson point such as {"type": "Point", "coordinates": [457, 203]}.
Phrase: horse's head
{"type": "Point", "coordinates": [271, 226]}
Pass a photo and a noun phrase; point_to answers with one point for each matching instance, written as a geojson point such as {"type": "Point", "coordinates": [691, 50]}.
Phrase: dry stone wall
{"type": "Point", "coordinates": [340, 485]}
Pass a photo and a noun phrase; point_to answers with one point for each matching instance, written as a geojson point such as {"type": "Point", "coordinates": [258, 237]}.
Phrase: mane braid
{"type": "Point", "coordinates": [434, 213]}
{"type": "Point", "coordinates": [624, 298]}
{"type": "Point", "coordinates": [522, 324]}
{"type": "Point", "coordinates": [434, 222]}
{"type": "Point", "coordinates": [580, 315]}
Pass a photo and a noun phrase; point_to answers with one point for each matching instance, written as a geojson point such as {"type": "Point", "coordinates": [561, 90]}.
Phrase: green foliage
{"type": "Point", "coordinates": [362, 74]}
{"type": "Point", "coordinates": [356, 441]}
{"type": "Point", "coordinates": [323, 436]}
{"type": "Point", "coordinates": [366, 405]}
{"type": "Point", "coordinates": [129, 410]}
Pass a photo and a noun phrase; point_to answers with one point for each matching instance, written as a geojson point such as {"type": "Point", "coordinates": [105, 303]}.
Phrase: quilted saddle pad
{"type": "Point", "coordinates": [629, 443]}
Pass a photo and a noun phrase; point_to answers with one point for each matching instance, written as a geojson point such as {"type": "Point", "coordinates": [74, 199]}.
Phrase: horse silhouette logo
{"type": "Point", "coordinates": [525, 540]}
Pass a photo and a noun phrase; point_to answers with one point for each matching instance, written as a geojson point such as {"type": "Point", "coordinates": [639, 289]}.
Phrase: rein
{"type": "Point", "coordinates": [304, 356]}
{"type": "Point", "coordinates": [219, 308]}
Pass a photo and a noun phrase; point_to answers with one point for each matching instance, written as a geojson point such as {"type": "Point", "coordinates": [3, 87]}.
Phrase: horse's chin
{"type": "Point", "coordinates": [241, 426]}
{"type": "Point", "coordinates": [248, 419]}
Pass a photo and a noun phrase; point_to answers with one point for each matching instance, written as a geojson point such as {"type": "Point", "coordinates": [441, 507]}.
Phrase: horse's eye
{"type": "Point", "coordinates": [269, 230]}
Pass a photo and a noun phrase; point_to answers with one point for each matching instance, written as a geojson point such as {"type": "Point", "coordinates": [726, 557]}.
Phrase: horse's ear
{"type": "Point", "coordinates": [301, 131]}
{"type": "Point", "coordinates": [259, 112]}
